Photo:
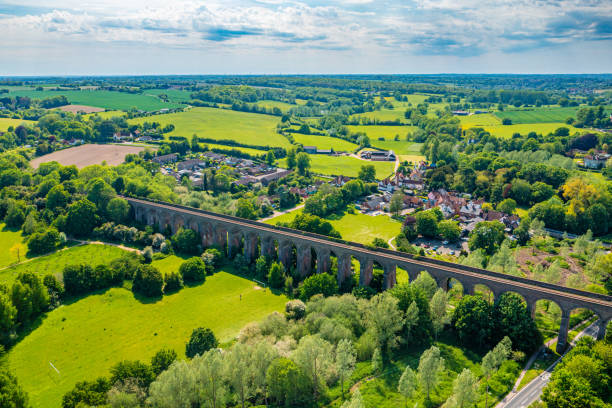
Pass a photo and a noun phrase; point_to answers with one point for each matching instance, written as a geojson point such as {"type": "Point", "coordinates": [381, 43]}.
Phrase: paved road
{"type": "Point", "coordinates": [532, 391]}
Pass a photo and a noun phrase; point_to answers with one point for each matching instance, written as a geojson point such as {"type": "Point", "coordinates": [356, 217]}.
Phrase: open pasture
{"type": "Point", "coordinates": [92, 254]}
{"type": "Point", "coordinates": [12, 247]}
{"type": "Point", "coordinates": [248, 150]}
{"type": "Point", "coordinates": [344, 165]}
{"type": "Point", "coordinates": [269, 104]}
{"type": "Point", "coordinates": [104, 99]}
{"type": "Point", "coordinates": [5, 123]}
{"type": "Point", "coordinates": [324, 142]}
{"type": "Point", "coordinates": [523, 129]}
{"type": "Point", "coordinates": [400, 147]}
{"type": "Point", "coordinates": [387, 132]}
{"type": "Point", "coordinates": [480, 120]}
{"type": "Point", "coordinates": [174, 95]}
{"type": "Point", "coordinates": [86, 338]}
{"type": "Point", "coordinates": [106, 114]}
{"type": "Point", "coordinates": [88, 154]}
{"type": "Point", "coordinates": [538, 115]}
{"type": "Point", "coordinates": [222, 124]}
{"type": "Point", "coordinates": [80, 109]}
{"type": "Point", "coordinates": [383, 115]}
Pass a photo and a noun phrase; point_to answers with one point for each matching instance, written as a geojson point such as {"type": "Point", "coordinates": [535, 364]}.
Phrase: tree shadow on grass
{"type": "Point", "coordinates": [228, 268]}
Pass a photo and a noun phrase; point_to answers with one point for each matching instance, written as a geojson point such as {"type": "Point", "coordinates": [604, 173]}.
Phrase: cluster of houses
{"type": "Point", "coordinates": [596, 160]}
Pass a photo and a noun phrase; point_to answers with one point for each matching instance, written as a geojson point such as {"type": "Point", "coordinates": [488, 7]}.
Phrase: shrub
{"type": "Point", "coordinates": [201, 340]}
{"type": "Point", "coordinates": [87, 393]}
{"type": "Point", "coordinates": [136, 370]}
{"type": "Point", "coordinates": [193, 270]}
{"type": "Point", "coordinates": [148, 281]}
{"type": "Point", "coordinates": [80, 279]}
{"type": "Point", "coordinates": [186, 241]}
{"type": "Point", "coordinates": [276, 277]}
{"type": "Point", "coordinates": [43, 242]}
{"type": "Point", "coordinates": [321, 283]}
{"type": "Point", "coordinates": [162, 360]}
{"type": "Point", "coordinates": [295, 309]}
{"type": "Point", "coordinates": [172, 282]}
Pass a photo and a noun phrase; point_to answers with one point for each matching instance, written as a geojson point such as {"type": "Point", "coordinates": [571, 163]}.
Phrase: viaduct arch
{"type": "Point", "coordinates": [245, 236]}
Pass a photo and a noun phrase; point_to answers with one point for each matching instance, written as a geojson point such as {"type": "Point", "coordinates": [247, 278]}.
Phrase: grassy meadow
{"type": "Point", "coordinates": [523, 129]}
{"type": "Point", "coordinates": [269, 104]}
{"type": "Point", "coordinates": [387, 132]}
{"type": "Point", "coordinates": [538, 115]}
{"type": "Point", "coordinates": [92, 254]}
{"type": "Point", "coordinates": [400, 147]}
{"type": "Point", "coordinates": [5, 123]}
{"type": "Point", "coordinates": [222, 124]}
{"type": "Point", "coordinates": [480, 120]}
{"type": "Point", "coordinates": [344, 165]}
{"type": "Point", "coordinates": [12, 247]}
{"type": "Point", "coordinates": [106, 115]}
{"type": "Point", "coordinates": [85, 338]}
{"type": "Point", "coordinates": [356, 227]}
{"type": "Point", "coordinates": [324, 142]}
{"type": "Point", "coordinates": [103, 99]}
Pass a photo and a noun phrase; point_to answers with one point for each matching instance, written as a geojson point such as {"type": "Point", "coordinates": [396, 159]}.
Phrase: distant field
{"type": "Point", "coordinates": [93, 254]}
{"type": "Point", "coordinates": [88, 154]}
{"type": "Point", "coordinates": [106, 115]}
{"type": "Point", "coordinates": [538, 115]}
{"type": "Point", "coordinates": [80, 109]}
{"type": "Point", "coordinates": [480, 120]}
{"type": "Point", "coordinates": [523, 129]}
{"type": "Point", "coordinates": [401, 147]}
{"type": "Point", "coordinates": [104, 99]}
{"type": "Point", "coordinates": [247, 150]}
{"type": "Point", "coordinates": [10, 239]}
{"type": "Point", "coordinates": [383, 114]}
{"type": "Point", "coordinates": [344, 165]}
{"type": "Point", "coordinates": [223, 124]}
{"type": "Point", "coordinates": [283, 106]}
{"type": "Point", "coordinates": [356, 227]}
{"type": "Point", "coordinates": [388, 132]}
{"type": "Point", "coordinates": [174, 95]}
{"type": "Point", "coordinates": [5, 123]}
{"type": "Point", "coordinates": [84, 339]}
{"type": "Point", "coordinates": [324, 142]}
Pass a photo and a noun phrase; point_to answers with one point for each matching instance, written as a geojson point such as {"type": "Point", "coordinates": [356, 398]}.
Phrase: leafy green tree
{"type": "Point", "coordinates": [438, 305]}
{"type": "Point", "coordinates": [427, 223]}
{"type": "Point", "coordinates": [276, 275]}
{"type": "Point", "coordinates": [11, 393]}
{"type": "Point", "coordinates": [320, 283]}
{"type": "Point", "coordinates": [345, 361]}
{"type": "Point", "coordinates": [270, 158]}
{"type": "Point", "coordinates": [303, 163]}
{"type": "Point", "coordinates": [493, 360]}
{"type": "Point", "coordinates": [43, 242]}
{"type": "Point", "coordinates": [134, 370]}
{"type": "Point", "coordinates": [385, 319]}
{"type": "Point", "coordinates": [186, 241]}
{"type": "Point", "coordinates": [413, 301]}
{"type": "Point", "coordinates": [118, 209]}
{"type": "Point", "coordinates": [314, 357]}
{"type": "Point", "coordinates": [57, 197]}
{"type": "Point", "coordinates": [100, 193]}
{"type": "Point", "coordinates": [355, 402]}
{"type": "Point", "coordinates": [245, 209]}
{"type": "Point", "coordinates": [397, 202]}
{"type": "Point", "coordinates": [8, 314]}
{"type": "Point", "coordinates": [162, 360]}
{"type": "Point", "coordinates": [173, 282]}
{"type": "Point", "coordinates": [209, 369]}
{"type": "Point", "coordinates": [511, 318]}
{"type": "Point", "coordinates": [377, 361]}
{"type": "Point", "coordinates": [431, 365]}
{"type": "Point", "coordinates": [15, 215]}
{"type": "Point", "coordinates": [367, 173]}
{"type": "Point", "coordinates": [240, 371]}
{"type": "Point", "coordinates": [567, 390]}
{"type": "Point", "coordinates": [426, 283]}
{"type": "Point", "coordinates": [193, 270]}
{"type": "Point", "coordinates": [201, 340]}
{"type": "Point", "coordinates": [87, 393]}
{"type": "Point", "coordinates": [407, 384]}
{"type": "Point", "coordinates": [472, 321]}
{"type": "Point", "coordinates": [487, 235]}
{"type": "Point", "coordinates": [287, 384]}
{"type": "Point", "coordinates": [148, 281]}
{"type": "Point", "coordinates": [465, 390]}
{"type": "Point", "coordinates": [449, 230]}
{"type": "Point", "coordinates": [175, 387]}
{"type": "Point", "coordinates": [291, 158]}
{"type": "Point", "coordinates": [81, 218]}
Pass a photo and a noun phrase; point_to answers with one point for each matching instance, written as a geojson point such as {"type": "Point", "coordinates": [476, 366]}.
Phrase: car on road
{"type": "Point", "coordinates": [445, 243]}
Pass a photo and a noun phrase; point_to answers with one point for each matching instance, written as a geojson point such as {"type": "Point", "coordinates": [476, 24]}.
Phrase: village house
{"type": "Point", "coordinates": [166, 158]}
{"type": "Point", "coordinates": [376, 155]}
{"type": "Point", "coordinates": [373, 202]}
{"type": "Point", "coordinates": [596, 160]}
{"type": "Point", "coordinates": [265, 179]}
{"type": "Point", "coordinates": [339, 181]}
{"type": "Point", "coordinates": [190, 164]}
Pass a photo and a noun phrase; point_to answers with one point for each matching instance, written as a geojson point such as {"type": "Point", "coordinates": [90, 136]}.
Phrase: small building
{"type": "Point", "coordinates": [166, 158]}
{"type": "Point", "coordinates": [596, 161]}
{"type": "Point", "coordinates": [387, 155]}
{"type": "Point", "coordinates": [190, 164]}
{"type": "Point", "coordinates": [310, 149]}
{"type": "Point", "coordinates": [265, 179]}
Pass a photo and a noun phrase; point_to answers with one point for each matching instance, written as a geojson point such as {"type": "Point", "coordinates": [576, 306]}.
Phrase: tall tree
{"type": "Point", "coordinates": [431, 365]}
{"type": "Point", "coordinates": [437, 306]}
{"type": "Point", "coordinates": [397, 202]}
{"type": "Point", "coordinates": [492, 360]}
{"type": "Point", "coordinates": [385, 319]}
{"type": "Point", "coordinates": [303, 163]}
{"type": "Point", "coordinates": [210, 372]}
{"type": "Point", "coordinates": [314, 356]}
{"type": "Point", "coordinates": [465, 390]}
{"type": "Point", "coordinates": [345, 361]}
{"type": "Point", "coordinates": [240, 371]}
{"type": "Point", "coordinates": [175, 387]}
{"type": "Point", "coordinates": [407, 384]}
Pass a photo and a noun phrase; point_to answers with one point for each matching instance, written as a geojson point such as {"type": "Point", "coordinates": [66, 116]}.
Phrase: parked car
{"type": "Point", "coordinates": [445, 242]}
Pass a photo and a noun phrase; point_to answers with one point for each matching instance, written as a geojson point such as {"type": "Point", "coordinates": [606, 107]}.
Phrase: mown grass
{"type": "Point", "coordinates": [84, 339]}
{"type": "Point", "coordinates": [104, 99]}
{"type": "Point", "coordinates": [344, 165]}
{"type": "Point", "coordinates": [92, 254]}
{"type": "Point", "coordinates": [538, 115]}
{"type": "Point", "coordinates": [12, 246]}
{"type": "Point", "coordinates": [324, 142]}
{"type": "Point", "coordinates": [222, 124]}
{"type": "Point", "coordinates": [386, 132]}
{"type": "Point", "coordinates": [5, 123]}
{"type": "Point", "coordinates": [356, 227]}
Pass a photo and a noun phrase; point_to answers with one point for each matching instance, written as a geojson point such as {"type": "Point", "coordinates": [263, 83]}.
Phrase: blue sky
{"type": "Point", "coordinates": [74, 37]}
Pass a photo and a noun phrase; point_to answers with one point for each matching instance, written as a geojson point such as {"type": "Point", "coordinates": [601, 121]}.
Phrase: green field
{"type": "Point", "coordinates": [383, 115]}
{"type": "Point", "coordinates": [254, 152]}
{"type": "Point", "coordinates": [84, 339]}
{"type": "Point", "coordinates": [356, 227]}
{"type": "Point", "coordinates": [174, 95]}
{"type": "Point", "coordinates": [223, 124]}
{"type": "Point", "coordinates": [400, 147]}
{"type": "Point", "coordinates": [324, 142]}
{"type": "Point", "coordinates": [5, 123]}
{"type": "Point", "coordinates": [11, 242]}
{"type": "Point", "coordinates": [388, 132]}
{"type": "Point", "coordinates": [169, 264]}
{"type": "Point", "coordinates": [480, 120]}
{"type": "Point", "coordinates": [103, 99]}
{"type": "Point", "coordinates": [344, 165]}
{"type": "Point", "coordinates": [283, 106]}
{"type": "Point", "coordinates": [93, 254]}
{"type": "Point", "coordinates": [538, 115]}
{"type": "Point", "coordinates": [106, 115]}
{"type": "Point", "coordinates": [523, 129]}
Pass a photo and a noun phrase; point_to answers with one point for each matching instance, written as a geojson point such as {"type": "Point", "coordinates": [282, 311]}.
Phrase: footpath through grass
{"type": "Point", "coordinates": [84, 339]}
{"type": "Point", "coordinates": [92, 254]}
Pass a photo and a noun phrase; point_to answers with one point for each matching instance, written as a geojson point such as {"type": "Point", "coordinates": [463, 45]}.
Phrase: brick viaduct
{"type": "Point", "coordinates": [251, 238]}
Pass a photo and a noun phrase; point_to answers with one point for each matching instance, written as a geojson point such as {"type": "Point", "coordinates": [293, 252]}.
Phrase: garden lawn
{"type": "Point", "coordinates": [11, 242]}
{"type": "Point", "coordinates": [85, 339]}
{"type": "Point", "coordinates": [356, 227]}
{"type": "Point", "coordinates": [104, 99]}
{"type": "Point", "coordinates": [387, 132]}
{"type": "Point", "coordinates": [344, 165]}
{"type": "Point", "coordinates": [324, 142]}
{"type": "Point", "coordinates": [92, 254]}
{"type": "Point", "coordinates": [222, 124]}
{"type": "Point", "coordinates": [5, 123]}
